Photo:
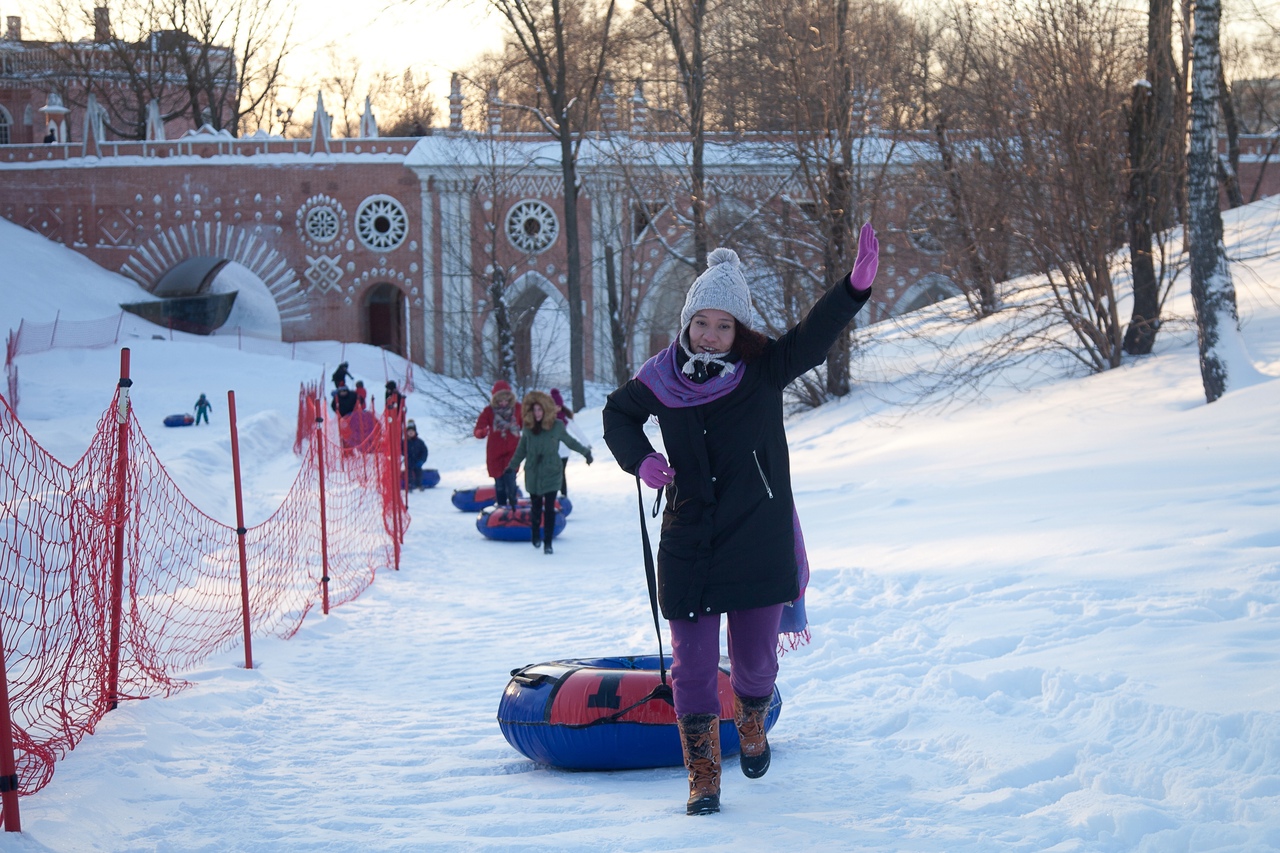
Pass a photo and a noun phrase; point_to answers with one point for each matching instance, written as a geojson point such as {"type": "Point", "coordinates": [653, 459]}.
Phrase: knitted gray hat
{"type": "Point", "coordinates": [722, 287]}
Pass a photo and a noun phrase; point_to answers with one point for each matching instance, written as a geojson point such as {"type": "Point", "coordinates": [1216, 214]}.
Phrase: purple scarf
{"type": "Point", "coordinates": [661, 374]}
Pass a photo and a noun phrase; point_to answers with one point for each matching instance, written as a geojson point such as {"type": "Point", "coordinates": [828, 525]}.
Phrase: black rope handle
{"type": "Point", "coordinates": [651, 578]}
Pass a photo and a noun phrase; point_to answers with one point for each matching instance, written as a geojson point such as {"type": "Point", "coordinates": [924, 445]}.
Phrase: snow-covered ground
{"type": "Point", "coordinates": [1046, 621]}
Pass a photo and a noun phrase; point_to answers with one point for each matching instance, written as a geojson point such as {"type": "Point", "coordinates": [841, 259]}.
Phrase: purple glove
{"type": "Point", "coordinates": [655, 472]}
{"type": "Point", "coordinates": [864, 268]}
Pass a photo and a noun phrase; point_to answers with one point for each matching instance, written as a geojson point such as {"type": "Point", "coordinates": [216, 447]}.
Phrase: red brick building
{"type": "Point", "coordinates": [397, 242]}
{"type": "Point", "coordinates": [43, 85]}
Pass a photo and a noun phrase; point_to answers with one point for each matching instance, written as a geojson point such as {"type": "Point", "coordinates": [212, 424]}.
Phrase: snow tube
{"type": "Point", "coordinates": [564, 506]}
{"type": "Point", "coordinates": [511, 525]}
{"type": "Point", "coordinates": [179, 420]}
{"type": "Point", "coordinates": [595, 714]}
{"type": "Point", "coordinates": [359, 430]}
{"type": "Point", "coordinates": [430, 479]}
{"type": "Point", "coordinates": [476, 498]}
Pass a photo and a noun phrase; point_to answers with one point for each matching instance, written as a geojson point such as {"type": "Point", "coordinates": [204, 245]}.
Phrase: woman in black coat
{"type": "Point", "coordinates": [730, 536]}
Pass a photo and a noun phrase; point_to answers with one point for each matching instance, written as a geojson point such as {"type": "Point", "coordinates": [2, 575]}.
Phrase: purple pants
{"type": "Point", "coordinates": [695, 657]}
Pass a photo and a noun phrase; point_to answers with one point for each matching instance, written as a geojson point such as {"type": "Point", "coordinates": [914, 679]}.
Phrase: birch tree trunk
{"type": "Point", "coordinates": [1212, 290]}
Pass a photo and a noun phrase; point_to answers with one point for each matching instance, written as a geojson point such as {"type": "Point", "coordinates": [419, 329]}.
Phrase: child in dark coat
{"type": "Point", "coordinates": [415, 455]}
{"type": "Point", "coordinates": [202, 409]}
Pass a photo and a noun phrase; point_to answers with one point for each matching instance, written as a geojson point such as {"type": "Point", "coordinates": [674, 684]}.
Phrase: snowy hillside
{"type": "Point", "coordinates": [1049, 620]}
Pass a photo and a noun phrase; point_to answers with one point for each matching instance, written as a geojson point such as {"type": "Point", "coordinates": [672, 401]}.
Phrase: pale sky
{"type": "Point", "coordinates": [427, 35]}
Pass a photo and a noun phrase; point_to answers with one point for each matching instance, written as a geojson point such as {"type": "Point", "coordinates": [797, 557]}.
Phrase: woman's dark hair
{"type": "Point", "coordinates": [748, 344]}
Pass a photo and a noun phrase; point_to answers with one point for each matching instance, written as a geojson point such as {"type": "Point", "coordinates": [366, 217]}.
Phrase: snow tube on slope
{"type": "Point", "coordinates": [430, 478]}
{"type": "Point", "coordinates": [475, 498]}
{"type": "Point", "coordinates": [511, 525]}
{"type": "Point", "coordinates": [179, 420]}
{"type": "Point", "coordinates": [594, 714]}
{"type": "Point", "coordinates": [359, 430]}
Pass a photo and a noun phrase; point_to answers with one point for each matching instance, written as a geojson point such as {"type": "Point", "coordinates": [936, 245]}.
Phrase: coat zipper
{"type": "Point", "coordinates": [763, 478]}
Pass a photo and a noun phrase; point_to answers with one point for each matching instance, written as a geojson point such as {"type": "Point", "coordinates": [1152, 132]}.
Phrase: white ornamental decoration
{"type": "Point", "coordinates": [321, 220]}
{"type": "Point", "coordinates": [532, 226]}
{"type": "Point", "coordinates": [322, 224]}
{"type": "Point", "coordinates": [381, 223]}
{"type": "Point", "coordinates": [323, 272]}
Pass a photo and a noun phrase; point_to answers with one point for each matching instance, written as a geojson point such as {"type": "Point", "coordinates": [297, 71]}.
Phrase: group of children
{"type": "Point", "coordinates": [538, 431]}
{"type": "Point", "coordinates": [346, 402]}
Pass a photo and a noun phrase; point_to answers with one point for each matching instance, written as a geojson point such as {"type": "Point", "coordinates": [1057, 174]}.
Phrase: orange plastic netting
{"type": "Point", "coordinates": [176, 594]}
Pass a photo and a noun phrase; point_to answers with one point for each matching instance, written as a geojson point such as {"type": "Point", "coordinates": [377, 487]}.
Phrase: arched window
{"type": "Point", "coordinates": [6, 126]}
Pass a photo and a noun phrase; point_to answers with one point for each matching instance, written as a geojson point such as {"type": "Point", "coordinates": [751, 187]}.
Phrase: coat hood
{"type": "Point", "coordinates": [548, 409]}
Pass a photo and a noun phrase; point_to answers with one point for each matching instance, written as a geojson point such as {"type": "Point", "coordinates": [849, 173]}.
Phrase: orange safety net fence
{"type": "Point", "coordinates": [176, 596]}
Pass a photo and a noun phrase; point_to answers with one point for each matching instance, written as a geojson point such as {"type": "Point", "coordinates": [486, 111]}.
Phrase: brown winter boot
{"type": "Point", "coordinates": [700, 738]}
{"type": "Point", "coordinates": [748, 716]}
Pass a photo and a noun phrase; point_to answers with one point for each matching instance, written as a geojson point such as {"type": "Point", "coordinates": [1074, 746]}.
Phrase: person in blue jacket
{"type": "Point", "coordinates": [730, 541]}
{"type": "Point", "coordinates": [415, 455]}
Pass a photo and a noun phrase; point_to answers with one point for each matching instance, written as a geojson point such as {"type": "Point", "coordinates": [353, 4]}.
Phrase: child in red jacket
{"type": "Point", "coordinates": [499, 424]}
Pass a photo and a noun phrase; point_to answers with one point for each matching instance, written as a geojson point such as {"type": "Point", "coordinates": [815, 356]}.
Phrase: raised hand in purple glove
{"type": "Point", "coordinates": [864, 268]}
{"type": "Point", "coordinates": [655, 472]}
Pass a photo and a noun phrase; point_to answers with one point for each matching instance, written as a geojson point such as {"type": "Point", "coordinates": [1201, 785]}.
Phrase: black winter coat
{"type": "Point", "coordinates": [415, 452]}
{"type": "Point", "coordinates": [344, 401]}
{"type": "Point", "coordinates": [728, 532]}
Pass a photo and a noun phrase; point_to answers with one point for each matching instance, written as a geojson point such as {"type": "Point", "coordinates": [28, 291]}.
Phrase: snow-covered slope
{"type": "Point", "coordinates": [1046, 621]}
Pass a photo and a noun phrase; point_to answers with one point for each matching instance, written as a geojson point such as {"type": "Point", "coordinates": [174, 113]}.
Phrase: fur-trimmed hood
{"type": "Point", "coordinates": [548, 409]}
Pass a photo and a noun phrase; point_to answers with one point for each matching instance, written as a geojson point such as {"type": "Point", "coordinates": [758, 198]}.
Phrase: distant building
{"type": "Point", "coordinates": [403, 242]}
{"type": "Point", "coordinates": [44, 97]}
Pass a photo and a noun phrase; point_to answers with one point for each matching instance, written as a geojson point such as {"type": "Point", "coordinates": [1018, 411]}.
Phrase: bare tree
{"type": "Point", "coordinates": [845, 94]}
{"type": "Point", "coordinates": [1155, 145]}
{"type": "Point", "coordinates": [966, 214]}
{"type": "Point", "coordinates": [564, 45]}
{"type": "Point", "coordinates": [342, 79]}
{"type": "Point", "coordinates": [684, 23]}
{"type": "Point", "coordinates": [1046, 86]}
{"type": "Point", "coordinates": [217, 62]}
{"type": "Point", "coordinates": [1212, 290]}
{"type": "Point", "coordinates": [128, 63]}
{"type": "Point", "coordinates": [234, 59]}
{"type": "Point", "coordinates": [407, 102]}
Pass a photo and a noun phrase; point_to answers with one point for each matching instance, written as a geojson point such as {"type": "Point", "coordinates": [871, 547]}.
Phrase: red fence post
{"type": "Point", "coordinates": [392, 493]}
{"type": "Point", "coordinates": [8, 765]}
{"type": "Point", "coordinates": [324, 523]}
{"type": "Point", "coordinates": [240, 528]}
{"type": "Point", "coordinates": [117, 559]}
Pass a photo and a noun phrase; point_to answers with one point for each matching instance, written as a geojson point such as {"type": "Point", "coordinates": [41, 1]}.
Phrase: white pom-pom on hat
{"type": "Point", "coordinates": [722, 287]}
{"type": "Point", "coordinates": [723, 256]}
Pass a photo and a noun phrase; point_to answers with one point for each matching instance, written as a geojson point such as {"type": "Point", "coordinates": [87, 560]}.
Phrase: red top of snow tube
{"type": "Point", "coordinates": [604, 714]}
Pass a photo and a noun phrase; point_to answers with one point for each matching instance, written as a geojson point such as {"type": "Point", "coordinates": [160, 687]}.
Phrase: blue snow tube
{"type": "Point", "coordinates": [601, 714]}
{"type": "Point", "coordinates": [430, 478]}
{"type": "Point", "coordinates": [475, 498]}
{"type": "Point", "coordinates": [179, 420]}
{"type": "Point", "coordinates": [511, 525]}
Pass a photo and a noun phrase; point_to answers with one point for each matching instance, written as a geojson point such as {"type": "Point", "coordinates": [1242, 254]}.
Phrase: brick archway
{"type": "Point", "coordinates": [151, 260]}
